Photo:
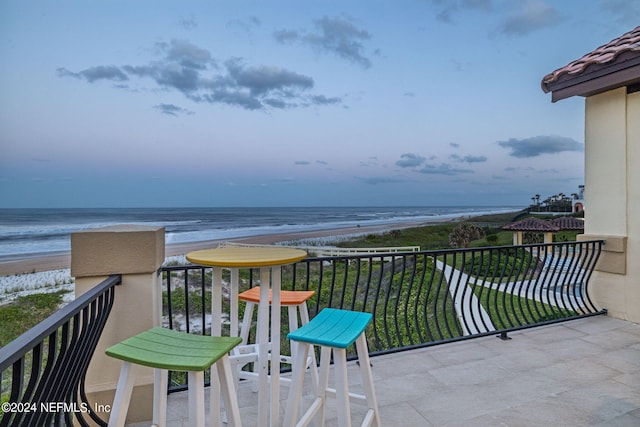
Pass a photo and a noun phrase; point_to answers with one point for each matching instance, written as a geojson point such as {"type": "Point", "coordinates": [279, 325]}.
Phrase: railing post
{"type": "Point", "coordinates": [135, 252]}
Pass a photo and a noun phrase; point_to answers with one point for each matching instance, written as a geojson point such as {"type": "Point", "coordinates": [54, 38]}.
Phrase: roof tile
{"type": "Point", "coordinates": [604, 55]}
{"type": "Point", "coordinates": [568, 223]}
{"type": "Point", "coordinates": [531, 224]}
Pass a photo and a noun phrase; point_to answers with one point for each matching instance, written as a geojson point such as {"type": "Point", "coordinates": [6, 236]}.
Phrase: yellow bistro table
{"type": "Point", "coordinates": [268, 260]}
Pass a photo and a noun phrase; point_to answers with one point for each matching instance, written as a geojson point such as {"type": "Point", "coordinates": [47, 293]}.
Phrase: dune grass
{"type": "Point", "coordinates": [25, 312]}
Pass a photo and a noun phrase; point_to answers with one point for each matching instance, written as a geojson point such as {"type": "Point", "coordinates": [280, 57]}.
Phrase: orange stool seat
{"type": "Point", "coordinates": [296, 303]}
{"type": "Point", "coordinates": [286, 297]}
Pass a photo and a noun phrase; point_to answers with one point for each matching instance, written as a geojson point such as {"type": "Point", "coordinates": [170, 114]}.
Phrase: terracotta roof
{"type": "Point", "coordinates": [532, 224]}
{"type": "Point", "coordinates": [619, 55]}
{"type": "Point", "coordinates": [568, 223]}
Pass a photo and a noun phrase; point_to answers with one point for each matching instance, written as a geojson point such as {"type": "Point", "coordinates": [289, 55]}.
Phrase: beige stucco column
{"type": "Point", "coordinates": [612, 199]}
{"type": "Point", "coordinates": [517, 238]}
{"type": "Point", "coordinates": [135, 252]}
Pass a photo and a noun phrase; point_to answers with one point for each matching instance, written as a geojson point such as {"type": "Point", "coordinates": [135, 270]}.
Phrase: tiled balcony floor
{"type": "Point", "coordinates": [579, 373]}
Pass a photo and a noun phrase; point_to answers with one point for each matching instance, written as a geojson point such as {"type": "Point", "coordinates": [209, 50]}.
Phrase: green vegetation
{"type": "Point", "coordinates": [406, 309]}
{"type": "Point", "coordinates": [507, 310]}
{"type": "Point", "coordinates": [436, 236]}
{"type": "Point", "coordinates": [505, 263]}
{"type": "Point", "coordinates": [464, 233]}
{"type": "Point", "coordinates": [25, 312]}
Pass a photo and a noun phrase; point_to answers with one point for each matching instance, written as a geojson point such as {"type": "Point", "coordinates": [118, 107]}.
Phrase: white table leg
{"type": "Point", "coordinates": [216, 330]}
{"type": "Point", "coordinates": [233, 301]}
{"type": "Point", "coordinates": [276, 285]}
{"type": "Point", "coordinates": [263, 348]}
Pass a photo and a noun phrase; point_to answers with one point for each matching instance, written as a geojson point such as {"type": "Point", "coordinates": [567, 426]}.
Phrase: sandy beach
{"type": "Point", "coordinates": [48, 262]}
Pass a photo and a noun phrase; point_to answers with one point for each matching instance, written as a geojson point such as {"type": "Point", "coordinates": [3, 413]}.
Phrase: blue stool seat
{"type": "Point", "coordinates": [333, 328]}
{"type": "Point", "coordinates": [334, 331]}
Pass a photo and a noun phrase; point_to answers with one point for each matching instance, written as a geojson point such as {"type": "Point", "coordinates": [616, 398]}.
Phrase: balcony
{"type": "Point", "coordinates": [583, 372]}
{"type": "Point", "coordinates": [437, 360]}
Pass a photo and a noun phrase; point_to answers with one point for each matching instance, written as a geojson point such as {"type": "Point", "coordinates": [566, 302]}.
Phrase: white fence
{"type": "Point", "coordinates": [329, 251]}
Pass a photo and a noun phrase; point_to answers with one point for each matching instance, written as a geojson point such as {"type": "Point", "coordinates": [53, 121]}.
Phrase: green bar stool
{"type": "Point", "coordinates": [165, 349]}
{"type": "Point", "coordinates": [334, 331]}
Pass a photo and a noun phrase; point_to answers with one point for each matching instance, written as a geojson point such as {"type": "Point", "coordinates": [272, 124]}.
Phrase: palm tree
{"type": "Point", "coordinates": [463, 234]}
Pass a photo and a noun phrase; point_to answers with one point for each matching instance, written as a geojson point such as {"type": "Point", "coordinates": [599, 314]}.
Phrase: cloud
{"type": "Point", "coordinates": [537, 145]}
{"type": "Point", "coordinates": [375, 180]}
{"type": "Point", "coordinates": [447, 8]}
{"type": "Point", "coordinates": [266, 79]}
{"type": "Point", "coordinates": [192, 70]}
{"type": "Point", "coordinates": [323, 100]}
{"type": "Point", "coordinates": [301, 162]}
{"type": "Point", "coordinates": [409, 160]}
{"type": "Point", "coordinates": [627, 12]}
{"type": "Point", "coordinates": [244, 27]}
{"type": "Point", "coordinates": [334, 35]}
{"type": "Point", "coordinates": [172, 110]}
{"type": "Point", "coordinates": [286, 36]}
{"type": "Point", "coordinates": [189, 23]}
{"type": "Point", "coordinates": [93, 74]}
{"type": "Point", "coordinates": [443, 169]}
{"type": "Point", "coordinates": [531, 16]}
{"type": "Point", "coordinates": [371, 161]}
{"type": "Point", "coordinates": [485, 5]}
{"type": "Point", "coordinates": [468, 159]}
{"type": "Point", "coordinates": [454, 145]}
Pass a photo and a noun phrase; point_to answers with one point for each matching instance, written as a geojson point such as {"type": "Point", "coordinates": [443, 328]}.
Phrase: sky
{"type": "Point", "coordinates": [292, 103]}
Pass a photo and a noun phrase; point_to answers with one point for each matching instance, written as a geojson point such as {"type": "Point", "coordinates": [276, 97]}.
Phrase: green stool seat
{"type": "Point", "coordinates": [172, 350]}
{"type": "Point", "coordinates": [333, 328]}
{"type": "Point", "coordinates": [165, 350]}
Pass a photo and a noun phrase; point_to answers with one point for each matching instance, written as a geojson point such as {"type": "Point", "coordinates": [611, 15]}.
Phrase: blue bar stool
{"type": "Point", "coordinates": [164, 350]}
{"type": "Point", "coordinates": [334, 331]}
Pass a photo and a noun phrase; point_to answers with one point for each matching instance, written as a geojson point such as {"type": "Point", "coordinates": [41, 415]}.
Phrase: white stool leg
{"type": "Point", "coordinates": [373, 415]}
{"type": "Point", "coordinates": [342, 387]}
{"type": "Point", "coordinates": [196, 398]}
{"type": "Point", "coordinates": [160, 397]}
{"type": "Point", "coordinates": [246, 323]}
{"type": "Point", "coordinates": [293, 325]}
{"type": "Point", "coordinates": [321, 390]}
{"type": "Point", "coordinates": [123, 395]}
{"type": "Point", "coordinates": [229, 395]}
{"type": "Point", "coordinates": [297, 381]}
{"type": "Point", "coordinates": [214, 398]}
{"type": "Point", "coordinates": [247, 320]}
{"type": "Point", "coordinates": [312, 363]}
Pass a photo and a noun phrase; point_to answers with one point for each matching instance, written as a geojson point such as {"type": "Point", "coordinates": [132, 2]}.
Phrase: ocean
{"type": "Point", "coordinates": [26, 232]}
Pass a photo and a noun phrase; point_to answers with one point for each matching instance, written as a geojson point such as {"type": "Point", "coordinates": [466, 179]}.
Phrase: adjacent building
{"type": "Point", "coordinates": [609, 79]}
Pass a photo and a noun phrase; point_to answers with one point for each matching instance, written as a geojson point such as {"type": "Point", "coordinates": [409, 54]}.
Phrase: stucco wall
{"type": "Point", "coordinates": [612, 197]}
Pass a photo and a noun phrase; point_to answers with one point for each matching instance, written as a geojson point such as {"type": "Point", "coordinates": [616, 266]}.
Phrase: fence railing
{"type": "Point", "coordinates": [43, 370]}
{"type": "Point", "coordinates": [333, 251]}
{"type": "Point", "coordinates": [420, 298]}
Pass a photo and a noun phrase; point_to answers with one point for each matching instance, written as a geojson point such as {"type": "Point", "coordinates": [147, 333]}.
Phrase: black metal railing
{"type": "Point", "coordinates": [44, 369]}
{"type": "Point", "coordinates": [420, 298]}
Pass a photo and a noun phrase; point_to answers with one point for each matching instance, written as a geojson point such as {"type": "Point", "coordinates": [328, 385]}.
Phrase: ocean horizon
{"type": "Point", "coordinates": [30, 231]}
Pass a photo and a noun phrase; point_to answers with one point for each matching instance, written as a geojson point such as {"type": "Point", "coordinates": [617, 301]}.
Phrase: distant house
{"type": "Point", "coordinates": [577, 203]}
{"type": "Point", "coordinates": [545, 227]}
{"type": "Point", "coordinates": [609, 79]}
